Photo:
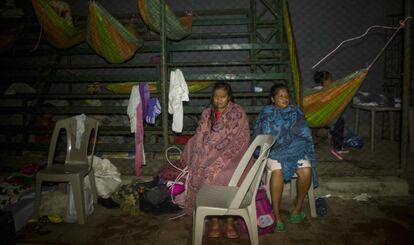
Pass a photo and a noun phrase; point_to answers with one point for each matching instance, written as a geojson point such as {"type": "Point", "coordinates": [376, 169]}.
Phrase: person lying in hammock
{"type": "Point", "coordinates": [293, 151]}
{"type": "Point", "coordinates": [324, 79]}
{"type": "Point", "coordinates": [212, 154]}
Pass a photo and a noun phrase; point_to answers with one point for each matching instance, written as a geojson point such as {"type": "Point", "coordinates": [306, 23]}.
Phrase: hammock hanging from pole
{"type": "Point", "coordinates": [323, 107]}
{"type": "Point", "coordinates": [55, 19]}
{"type": "Point", "coordinates": [109, 38]}
{"type": "Point", "coordinates": [176, 28]}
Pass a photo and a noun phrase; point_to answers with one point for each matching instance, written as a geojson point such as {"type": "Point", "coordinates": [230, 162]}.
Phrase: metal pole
{"type": "Point", "coordinates": [405, 109]}
{"type": "Point", "coordinates": [253, 39]}
{"type": "Point", "coordinates": [163, 72]}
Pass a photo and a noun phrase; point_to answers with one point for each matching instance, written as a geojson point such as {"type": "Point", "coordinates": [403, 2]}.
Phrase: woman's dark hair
{"type": "Point", "coordinates": [275, 89]}
{"type": "Point", "coordinates": [222, 85]}
{"type": "Point", "coordinates": [219, 85]}
{"type": "Point", "coordinates": [321, 76]}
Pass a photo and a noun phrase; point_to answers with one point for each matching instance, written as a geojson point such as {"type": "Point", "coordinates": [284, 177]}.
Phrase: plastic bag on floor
{"type": "Point", "coordinates": [71, 214]}
{"type": "Point", "coordinates": [107, 177]}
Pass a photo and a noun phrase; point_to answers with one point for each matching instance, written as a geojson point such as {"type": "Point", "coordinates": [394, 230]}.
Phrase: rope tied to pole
{"type": "Point", "coordinates": [396, 28]}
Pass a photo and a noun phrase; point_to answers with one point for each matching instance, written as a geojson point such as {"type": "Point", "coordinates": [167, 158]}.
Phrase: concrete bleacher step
{"type": "Point", "coordinates": [349, 187]}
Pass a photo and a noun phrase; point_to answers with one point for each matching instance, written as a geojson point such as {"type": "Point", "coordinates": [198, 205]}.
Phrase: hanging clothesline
{"type": "Point", "coordinates": [397, 28]}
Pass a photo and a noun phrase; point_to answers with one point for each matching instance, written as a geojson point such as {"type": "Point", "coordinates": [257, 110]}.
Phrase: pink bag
{"type": "Point", "coordinates": [264, 212]}
{"type": "Point", "coordinates": [175, 188]}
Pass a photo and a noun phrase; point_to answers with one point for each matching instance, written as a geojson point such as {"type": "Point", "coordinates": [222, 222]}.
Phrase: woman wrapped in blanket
{"type": "Point", "coordinates": [293, 151]}
{"type": "Point", "coordinates": [212, 154]}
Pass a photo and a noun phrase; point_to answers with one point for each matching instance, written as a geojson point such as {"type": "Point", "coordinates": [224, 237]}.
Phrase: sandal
{"type": "Point", "coordinates": [214, 232]}
{"type": "Point", "coordinates": [280, 226]}
{"type": "Point", "coordinates": [231, 232]}
{"type": "Point", "coordinates": [296, 218]}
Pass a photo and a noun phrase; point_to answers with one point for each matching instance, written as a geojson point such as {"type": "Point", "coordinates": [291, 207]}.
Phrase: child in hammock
{"type": "Point", "coordinates": [324, 79]}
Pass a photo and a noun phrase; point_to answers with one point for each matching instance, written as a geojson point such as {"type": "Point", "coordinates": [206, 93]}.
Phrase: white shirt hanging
{"type": "Point", "coordinates": [134, 100]}
{"type": "Point", "coordinates": [177, 94]}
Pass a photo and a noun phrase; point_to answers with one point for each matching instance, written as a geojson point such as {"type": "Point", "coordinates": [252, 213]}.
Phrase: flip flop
{"type": "Point", "coordinates": [296, 218]}
{"type": "Point", "coordinates": [280, 226]}
{"type": "Point", "coordinates": [231, 233]}
{"type": "Point", "coordinates": [337, 154]}
{"type": "Point", "coordinates": [214, 232]}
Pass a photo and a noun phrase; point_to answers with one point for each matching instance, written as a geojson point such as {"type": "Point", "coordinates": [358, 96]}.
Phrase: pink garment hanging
{"type": "Point", "coordinates": [139, 141]}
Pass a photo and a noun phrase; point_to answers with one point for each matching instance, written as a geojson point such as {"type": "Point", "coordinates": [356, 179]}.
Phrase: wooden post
{"type": "Point", "coordinates": [405, 109]}
{"type": "Point", "coordinates": [163, 71]}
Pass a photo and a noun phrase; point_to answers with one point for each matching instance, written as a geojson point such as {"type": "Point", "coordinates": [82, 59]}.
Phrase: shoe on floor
{"type": "Point", "coordinates": [280, 226]}
{"type": "Point", "coordinates": [214, 232]}
{"type": "Point", "coordinates": [231, 233]}
{"type": "Point", "coordinates": [343, 151]}
{"type": "Point", "coordinates": [296, 218]}
{"type": "Point", "coordinates": [337, 154]}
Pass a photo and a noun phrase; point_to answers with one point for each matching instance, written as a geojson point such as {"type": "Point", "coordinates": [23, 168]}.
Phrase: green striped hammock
{"type": "Point", "coordinates": [60, 32]}
{"type": "Point", "coordinates": [323, 107]}
{"type": "Point", "coordinates": [176, 28]}
{"type": "Point", "coordinates": [109, 38]}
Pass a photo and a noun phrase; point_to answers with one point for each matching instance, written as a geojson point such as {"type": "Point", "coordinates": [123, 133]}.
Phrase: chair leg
{"type": "Point", "coordinates": [38, 197]}
{"type": "Point", "coordinates": [311, 199]}
{"type": "Point", "coordinates": [198, 227]}
{"type": "Point", "coordinates": [268, 177]}
{"type": "Point", "coordinates": [293, 188]}
{"type": "Point", "coordinates": [93, 186]}
{"type": "Point", "coordinates": [193, 228]}
{"type": "Point", "coordinates": [251, 222]}
{"type": "Point", "coordinates": [79, 198]}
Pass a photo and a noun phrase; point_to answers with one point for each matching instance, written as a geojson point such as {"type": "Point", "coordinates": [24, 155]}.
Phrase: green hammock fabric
{"type": "Point", "coordinates": [109, 38]}
{"type": "Point", "coordinates": [176, 28]}
{"type": "Point", "coordinates": [323, 107]}
{"type": "Point", "coordinates": [60, 32]}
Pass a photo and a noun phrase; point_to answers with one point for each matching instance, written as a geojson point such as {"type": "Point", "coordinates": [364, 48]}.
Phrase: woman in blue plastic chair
{"type": "Point", "coordinates": [293, 151]}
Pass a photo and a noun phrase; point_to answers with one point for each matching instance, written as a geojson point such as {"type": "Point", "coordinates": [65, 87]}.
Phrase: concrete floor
{"type": "Point", "coordinates": [381, 220]}
{"type": "Point", "coordinates": [377, 221]}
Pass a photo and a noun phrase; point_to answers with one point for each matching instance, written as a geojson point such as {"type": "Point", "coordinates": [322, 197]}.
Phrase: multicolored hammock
{"type": "Point", "coordinates": [56, 23]}
{"type": "Point", "coordinates": [108, 37]}
{"type": "Point", "coordinates": [323, 107]}
{"type": "Point", "coordinates": [176, 28]}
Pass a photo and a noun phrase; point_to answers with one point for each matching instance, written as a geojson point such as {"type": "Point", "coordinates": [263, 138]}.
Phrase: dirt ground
{"type": "Point", "coordinates": [376, 221]}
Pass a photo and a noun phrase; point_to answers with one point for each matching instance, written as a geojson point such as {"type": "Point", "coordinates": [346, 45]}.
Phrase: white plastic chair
{"type": "Point", "coordinates": [311, 196]}
{"type": "Point", "coordinates": [76, 165]}
{"type": "Point", "coordinates": [233, 200]}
